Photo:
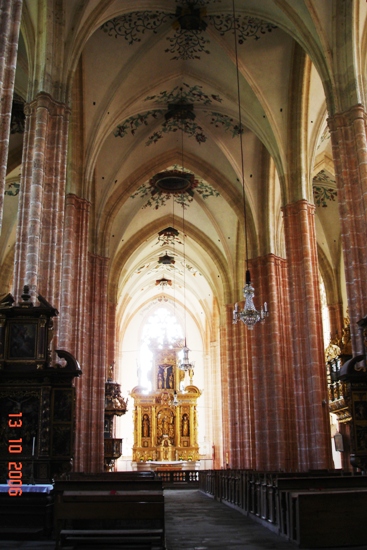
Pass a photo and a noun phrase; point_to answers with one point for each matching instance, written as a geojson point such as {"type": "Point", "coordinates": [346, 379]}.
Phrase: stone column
{"type": "Point", "coordinates": [91, 386]}
{"type": "Point", "coordinates": [213, 398]}
{"type": "Point", "coordinates": [73, 311]}
{"type": "Point", "coordinates": [38, 254]}
{"type": "Point", "coordinates": [10, 16]}
{"type": "Point", "coordinates": [111, 333]}
{"type": "Point", "coordinates": [349, 144]}
{"type": "Point", "coordinates": [308, 361]}
{"type": "Point", "coordinates": [271, 379]}
{"type": "Point", "coordinates": [336, 320]}
{"type": "Point", "coordinates": [225, 366]}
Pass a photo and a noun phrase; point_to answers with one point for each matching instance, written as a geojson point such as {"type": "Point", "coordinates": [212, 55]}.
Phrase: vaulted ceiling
{"type": "Point", "coordinates": [152, 87]}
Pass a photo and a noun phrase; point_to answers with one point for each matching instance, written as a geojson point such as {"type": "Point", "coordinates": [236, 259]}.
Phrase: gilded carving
{"type": "Point", "coordinates": [165, 422]}
{"type": "Point", "coordinates": [145, 426]}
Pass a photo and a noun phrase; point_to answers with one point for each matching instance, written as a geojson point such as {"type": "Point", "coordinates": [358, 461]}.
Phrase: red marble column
{"type": "Point", "coordinates": [225, 363]}
{"type": "Point", "coordinates": [262, 408]}
{"type": "Point", "coordinates": [238, 427]}
{"type": "Point", "coordinates": [38, 254]}
{"type": "Point", "coordinates": [10, 16]}
{"type": "Point", "coordinates": [336, 320]}
{"type": "Point", "coordinates": [235, 373]}
{"type": "Point", "coordinates": [73, 312]}
{"type": "Point", "coordinates": [308, 362]}
{"type": "Point", "coordinates": [349, 145]}
{"type": "Point", "coordinates": [271, 358]}
{"type": "Point", "coordinates": [91, 385]}
{"type": "Point", "coordinates": [112, 338]}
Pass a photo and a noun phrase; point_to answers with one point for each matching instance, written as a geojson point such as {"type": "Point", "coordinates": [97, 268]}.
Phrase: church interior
{"type": "Point", "coordinates": [183, 252]}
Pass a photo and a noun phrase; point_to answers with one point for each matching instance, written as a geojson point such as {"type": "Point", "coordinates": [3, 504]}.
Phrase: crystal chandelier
{"type": "Point", "coordinates": [249, 315]}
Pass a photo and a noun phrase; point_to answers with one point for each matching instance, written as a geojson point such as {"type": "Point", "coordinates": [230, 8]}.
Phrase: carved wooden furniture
{"type": "Point", "coordinates": [323, 509]}
{"type": "Point", "coordinates": [36, 393]}
{"type": "Point", "coordinates": [113, 508]}
{"type": "Point", "coordinates": [115, 405]}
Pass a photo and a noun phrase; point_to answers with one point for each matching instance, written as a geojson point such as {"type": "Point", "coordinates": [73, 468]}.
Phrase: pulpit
{"type": "Point", "coordinates": [115, 405]}
{"type": "Point", "coordinates": [165, 421]}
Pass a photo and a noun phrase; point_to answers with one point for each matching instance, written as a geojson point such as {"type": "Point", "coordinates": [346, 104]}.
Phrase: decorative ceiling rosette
{"type": "Point", "coordinates": [168, 237]}
{"type": "Point", "coordinates": [179, 114]}
{"type": "Point", "coordinates": [189, 23]}
{"type": "Point", "coordinates": [179, 183]}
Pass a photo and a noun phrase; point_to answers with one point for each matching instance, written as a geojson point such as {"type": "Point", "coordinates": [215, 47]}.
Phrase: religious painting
{"type": "Point", "coordinates": [63, 405]}
{"type": "Point", "coordinates": [360, 410]}
{"type": "Point", "coordinates": [22, 340]}
{"type": "Point", "coordinates": [361, 438]}
{"type": "Point", "coordinates": [61, 440]}
{"type": "Point", "coordinates": [165, 377]}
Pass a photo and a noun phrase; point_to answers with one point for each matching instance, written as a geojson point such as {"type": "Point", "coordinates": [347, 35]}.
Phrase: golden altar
{"type": "Point", "coordinates": [165, 422]}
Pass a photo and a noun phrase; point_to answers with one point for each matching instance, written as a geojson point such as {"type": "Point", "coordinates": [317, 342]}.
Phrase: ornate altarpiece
{"type": "Point", "coordinates": [164, 431]}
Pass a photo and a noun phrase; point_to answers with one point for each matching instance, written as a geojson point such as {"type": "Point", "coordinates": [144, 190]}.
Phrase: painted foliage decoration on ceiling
{"type": "Point", "coordinates": [189, 22]}
{"type": "Point", "coordinates": [323, 187]}
{"type": "Point", "coordinates": [176, 111]}
{"type": "Point", "coordinates": [177, 267]}
{"type": "Point", "coordinates": [13, 189]}
{"type": "Point", "coordinates": [176, 182]}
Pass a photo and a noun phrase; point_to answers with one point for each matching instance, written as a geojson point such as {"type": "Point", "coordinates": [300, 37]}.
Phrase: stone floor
{"type": "Point", "coordinates": [196, 522]}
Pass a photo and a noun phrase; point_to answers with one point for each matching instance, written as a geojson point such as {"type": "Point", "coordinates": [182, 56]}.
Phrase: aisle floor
{"type": "Point", "coordinates": [194, 521]}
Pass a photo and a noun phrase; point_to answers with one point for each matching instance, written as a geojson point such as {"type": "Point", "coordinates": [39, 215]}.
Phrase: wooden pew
{"type": "Point", "coordinates": [89, 510]}
{"type": "Point", "coordinates": [323, 511]}
{"type": "Point", "coordinates": [336, 518]}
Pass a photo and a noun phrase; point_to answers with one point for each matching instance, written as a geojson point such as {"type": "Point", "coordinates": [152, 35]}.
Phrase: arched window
{"type": "Point", "coordinates": [324, 312]}
{"type": "Point", "coordinates": [161, 329]}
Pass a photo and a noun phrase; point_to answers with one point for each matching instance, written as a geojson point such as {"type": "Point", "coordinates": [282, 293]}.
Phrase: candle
{"type": "Point", "coordinates": [34, 441]}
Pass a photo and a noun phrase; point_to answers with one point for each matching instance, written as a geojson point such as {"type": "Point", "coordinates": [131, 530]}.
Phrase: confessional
{"type": "Point", "coordinates": [37, 396]}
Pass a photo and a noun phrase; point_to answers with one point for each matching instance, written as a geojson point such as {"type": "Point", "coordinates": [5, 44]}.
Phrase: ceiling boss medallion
{"type": "Point", "coordinates": [180, 183]}
{"type": "Point", "coordinates": [168, 236]}
{"type": "Point", "coordinates": [179, 114]}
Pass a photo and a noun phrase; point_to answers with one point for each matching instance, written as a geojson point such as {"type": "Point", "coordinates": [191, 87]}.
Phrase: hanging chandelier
{"type": "Point", "coordinates": [249, 315]}
{"type": "Point", "coordinates": [185, 364]}
{"type": "Point", "coordinates": [166, 259]}
{"type": "Point", "coordinates": [168, 237]}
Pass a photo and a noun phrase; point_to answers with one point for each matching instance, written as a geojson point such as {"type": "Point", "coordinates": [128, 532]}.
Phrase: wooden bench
{"type": "Point", "coordinates": [120, 509]}
{"type": "Point", "coordinates": [314, 511]}
{"type": "Point", "coordinates": [337, 518]}
{"type": "Point", "coordinates": [147, 539]}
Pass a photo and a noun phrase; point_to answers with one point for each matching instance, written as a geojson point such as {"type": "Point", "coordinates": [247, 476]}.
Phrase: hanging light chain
{"type": "Point", "coordinates": [249, 315]}
{"type": "Point", "coordinates": [184, 364]}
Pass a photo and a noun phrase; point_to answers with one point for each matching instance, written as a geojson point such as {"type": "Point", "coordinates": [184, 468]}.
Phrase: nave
{"type": "Point", "coordinates": [196, 522]}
